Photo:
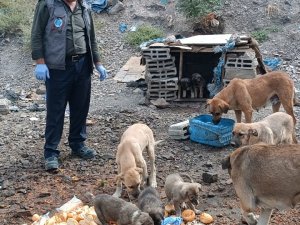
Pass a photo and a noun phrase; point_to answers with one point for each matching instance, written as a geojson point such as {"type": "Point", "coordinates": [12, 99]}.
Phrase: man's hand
{"type": "Point", "coordinates": [42, 72]}
{"type": "Point", "coordinates": [102, 72]}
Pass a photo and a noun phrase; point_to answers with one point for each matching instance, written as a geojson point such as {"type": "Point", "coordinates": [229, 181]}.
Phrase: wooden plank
{"type": "Point", "coordinates": [131, 71]}
{"type": "Point", "coordinates": [216, 39]}
{"type": "Point", "coordinates": [180, 72]}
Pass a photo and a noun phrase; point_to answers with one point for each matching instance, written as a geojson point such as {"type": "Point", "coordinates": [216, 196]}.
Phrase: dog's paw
{"type": "Point", "coordinates": [250, 219]}
{"type": "Point", "coordinates": [183, 205]}
{"type": "Point", "coordinates": [154, 184]}
{"type": "Point", "coordinates": [117, 194]}
{"type": "Point", "coordinates": [197, 212]}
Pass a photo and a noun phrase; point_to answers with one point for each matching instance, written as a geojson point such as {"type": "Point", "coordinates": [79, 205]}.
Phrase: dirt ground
{"type": "Point", "coordinates": [25, 188]}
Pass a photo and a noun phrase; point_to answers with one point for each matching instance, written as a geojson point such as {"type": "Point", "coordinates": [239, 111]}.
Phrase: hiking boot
{"type": "Point", "coordinates": [51, 163]}
{"type": "Point", "coordinates": [84, 152]}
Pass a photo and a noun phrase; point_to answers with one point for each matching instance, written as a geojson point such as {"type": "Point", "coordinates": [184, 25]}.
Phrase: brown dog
{"type": "Point", "coordinates": [267, 176]}
{"type": "Point", "coordinates": [130, 160]}
{"type": "Point", "coordinates": [277, 128]}
{"type": "Point", "coordinates": [246, 95]}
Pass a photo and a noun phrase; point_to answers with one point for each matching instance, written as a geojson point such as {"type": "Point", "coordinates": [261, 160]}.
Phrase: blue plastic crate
{"type": "Point", "coordinates": [203, 130]}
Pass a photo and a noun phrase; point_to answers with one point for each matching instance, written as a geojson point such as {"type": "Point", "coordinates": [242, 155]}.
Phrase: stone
{"type": "Point", "coordinates": [4, 106]}
{"type": "Point", "coordinates": [210, 177]}
{"type": "Point", "coordinates": [160, 103]}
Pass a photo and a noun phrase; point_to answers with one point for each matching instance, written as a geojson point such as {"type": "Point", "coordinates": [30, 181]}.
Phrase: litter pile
{"type": "Point", "coordinates": [74, 212]}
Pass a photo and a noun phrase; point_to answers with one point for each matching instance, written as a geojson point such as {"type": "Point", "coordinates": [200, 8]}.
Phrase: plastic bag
{"type": "Point", "coordinates": [172, 220]}
{"type": "Point", "coordinates": [70, 205]}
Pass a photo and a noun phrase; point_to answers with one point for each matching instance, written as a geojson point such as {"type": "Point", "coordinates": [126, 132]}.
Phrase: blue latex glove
{"type": "Point", "coordinates": [102, 72]}
{"type": "Point", "coordinates": [41, 72]}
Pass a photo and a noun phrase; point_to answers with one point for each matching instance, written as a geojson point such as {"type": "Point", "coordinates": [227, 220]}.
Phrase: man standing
{"type": "Point", "coordinates": [65, 49]}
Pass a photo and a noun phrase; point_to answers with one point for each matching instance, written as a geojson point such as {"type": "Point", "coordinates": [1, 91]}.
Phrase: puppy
{"type": "Point", "coordinates": [130, 160]}
{"type": "Point", "coordinates": [245, 95]}
{"type": "Point", "coordinates": [178, 192]}
{"type": "Point", "coordinates": [277, 128]}
{"type": "Point", "coordinates": [185, 84]}
{"type": "Point", "coordinates": [111, 209]}
{"type": "Point", "coordinates": [267, 176]}
{"type": "Point", "coordinates": [149, 202]}
{"type": "Point", "coordinates": [198, 83]}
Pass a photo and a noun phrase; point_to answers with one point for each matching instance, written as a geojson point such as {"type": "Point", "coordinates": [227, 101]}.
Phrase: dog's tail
{"type": "Point", "coordinates": [157, 142]}
{"type": "Point", "coordinates": [226, 163]}
{"type": "Point", "coordinates": [187, 176]}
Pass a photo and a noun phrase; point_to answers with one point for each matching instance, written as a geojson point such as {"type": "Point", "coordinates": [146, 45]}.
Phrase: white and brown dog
{"type": "Point", "coordinates": [132, 167]}
{"type": "Point", "coordinates": [267, 176]}
{"type": "Point", "coordinates": [277, 128]}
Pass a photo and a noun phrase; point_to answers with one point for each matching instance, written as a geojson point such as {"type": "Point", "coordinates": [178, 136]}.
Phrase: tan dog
{"type": "Point", "coordinates": [130, 160]}
{"type": "Point", "coordinates": [246, 95]}
{"type": "Point", "coordinates": [267, 176]}
{"type": "Point", "coordinates": [277, 128]}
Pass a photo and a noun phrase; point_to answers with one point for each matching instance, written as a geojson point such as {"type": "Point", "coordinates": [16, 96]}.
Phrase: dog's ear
{"type": "Point", "coordinates": [119, 177]}
{"type": "Point", "coordinates": [226, 163]}
{"type": "Point", "coordinates": [224, 107]}
{"type": "Point", "coordinates": [139, 170]}
{"type": "Point", "coordinates": [208, 103]}
{"type": "Point", "coordinates": [253, 132]}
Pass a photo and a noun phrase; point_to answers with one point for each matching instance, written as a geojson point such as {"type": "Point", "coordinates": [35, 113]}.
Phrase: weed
{"type": "Point", "coordinates": [14, 18]}
{"type": "Point", "coordinates": [260, 35]}
{"type": "Point", "coordinates": [98, 23]}
{"type": "Point", "coordinates": [263, 34]}
{"type": "Point", "coordinates": [197, 8]}
{"type": "Point", "coordinates": [143, 33]}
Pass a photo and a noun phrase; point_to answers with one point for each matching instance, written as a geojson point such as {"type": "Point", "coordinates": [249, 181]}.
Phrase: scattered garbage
{"type": "Point", "coordinates": [114, 9]}
{"type": "Point", "coordinates": [156, 40]}
{"type": "Point", "coordinates": [172, 220]}
{"type": "Point", "coordinates": [99, 5]}
{"type": "Point", "coordinates": [164, 2]}
{"type": "Point", "coordinates": [123, 27]}
{"type": "Point", "coordinates": [273, 63]}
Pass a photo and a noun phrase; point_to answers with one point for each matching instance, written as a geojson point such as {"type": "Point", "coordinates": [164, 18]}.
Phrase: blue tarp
{"type": "Point", "coordinates": [97, 5]}
{"type": "Point", "coordinates": [215, 87]}
{"type": "Point", "coordinates": [273, 63]}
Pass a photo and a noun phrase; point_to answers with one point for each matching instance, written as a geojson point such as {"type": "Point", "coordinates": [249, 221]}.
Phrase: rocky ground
{"type": "Point", "coordinates": [25, 188]}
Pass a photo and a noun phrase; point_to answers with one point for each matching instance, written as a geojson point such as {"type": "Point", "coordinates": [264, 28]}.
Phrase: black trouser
{"type": "Point", "coordinates": [72, 86]}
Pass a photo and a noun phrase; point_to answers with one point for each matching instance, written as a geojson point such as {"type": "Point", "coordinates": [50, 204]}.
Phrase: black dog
{"type": "Point", "coordinates": [198, 84]}
{"type": "Point", "coordinates": [185, 84]}
{"type": "Point", "coordinates": [149, 202]}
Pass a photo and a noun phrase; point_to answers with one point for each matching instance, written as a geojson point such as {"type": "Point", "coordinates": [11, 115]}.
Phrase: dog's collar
{"type": "Point", "coordinates": [135, 215]}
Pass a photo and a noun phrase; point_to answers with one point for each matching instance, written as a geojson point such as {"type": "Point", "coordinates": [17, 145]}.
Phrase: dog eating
{"type": "Point", "coordinates": [247, 95]}
{"type": "Point", "coordinates": [110, 209]}
{"type": "Point", "coordinates": [266, 176]}
{"type": "Point", "coordinates": [132, 167]}
{"type": "Point", "coordinates": [178, 192]}
{"type": "Point", "coordinates": [277, 128]}
{"type": "Point", "coordinates": [149, 202]}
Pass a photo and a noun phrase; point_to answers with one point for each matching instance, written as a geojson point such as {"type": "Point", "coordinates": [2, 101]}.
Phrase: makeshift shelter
{"type": "Point", "coordinates": [171, 67]}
